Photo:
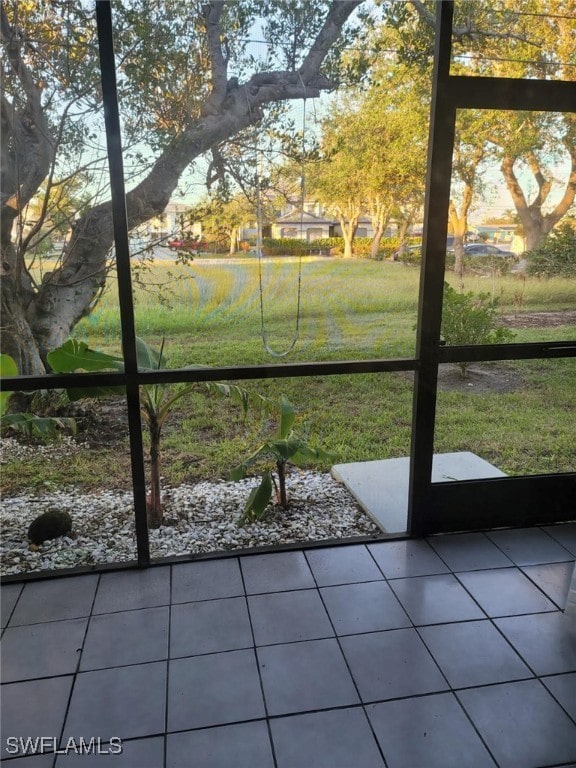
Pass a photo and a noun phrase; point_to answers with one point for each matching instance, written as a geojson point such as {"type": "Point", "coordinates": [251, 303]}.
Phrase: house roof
{"type": "Point", "coordinates": [296, 216]}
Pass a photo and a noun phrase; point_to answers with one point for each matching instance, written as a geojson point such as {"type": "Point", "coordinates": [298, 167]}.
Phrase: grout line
{"type": "Point", "coordinates": [560, 607]}
{"type": "Point", "coordinates": [476, 730]}
{"type": "Point", "coordinates": [5, 627]}
{"type": "Point", "coordinates": [361, 704]}
{"type": "Point", "coordinates": [556, 699]}
{"type": "Point", "coordinates": [337, 637]}
{"type": "Point", "coordinates": [553, 609]}
{"type": "Point", "coordinates": [168, 658]}
{"type": "Point", "coordinates": [75, 674]}
{"type": "Point", "coordinates": [522, 530]}
{"type": "Point", "coordinates": [258, 670]}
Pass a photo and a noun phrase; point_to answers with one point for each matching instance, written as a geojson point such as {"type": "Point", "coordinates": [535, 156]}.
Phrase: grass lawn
{"type": "Point", "coordinates": [519, 415]}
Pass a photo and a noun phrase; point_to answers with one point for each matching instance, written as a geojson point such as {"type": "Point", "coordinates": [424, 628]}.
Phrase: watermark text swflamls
{"type": "Point", "coordinates": [37, 745]}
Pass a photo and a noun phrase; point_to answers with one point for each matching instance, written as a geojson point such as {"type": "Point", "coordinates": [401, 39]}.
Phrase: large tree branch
{"type": "Point", "coordinates": [11, 39]}
{"type": "Point", "coordinates": [544, 184]}
{"type": "Point", "coordinates": [569, 195]}
{"type": "Point", "coordinates": [339, 13]}
{"type": "Point", "coordinates": [58, 306]}
{"type": "Point", "coordinates": [33, 141]}
{"type": "Point", "coordinates": [469, 30]}
{"type": "Point", "coordinates": [516, 191]}
{"type": "Point", "coordinates": [219, 66]}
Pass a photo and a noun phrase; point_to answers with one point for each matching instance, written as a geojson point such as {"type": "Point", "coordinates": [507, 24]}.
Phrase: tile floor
{"type": "Point", "coordinates": [450, 652]}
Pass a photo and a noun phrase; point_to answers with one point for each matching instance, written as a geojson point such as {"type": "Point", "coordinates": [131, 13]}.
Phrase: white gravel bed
{"type": "Point", "coordinates": [11, 449]}
{"type": "Point", "coordinates": [198, 519]}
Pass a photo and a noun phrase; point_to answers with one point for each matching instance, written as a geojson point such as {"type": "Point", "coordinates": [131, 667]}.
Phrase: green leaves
{"type": "Point", "coordinates": [76, 356]}
{"type": "Point", "coordinates": [258, 500]}
{"type": "Point", "coordinates": [27, 423]}
{"type": "Point", "coordinates": [7, 368]}
{"type": "Point", "coordinates": [37, 426]}
{"type": "Point", "coordinates": [242, 397]}
{"type": "Point", "coordinates": [149, 359]}
{"type": "Point", "coordinates": [288, 446]}
{"type": "Point", "coordinates": [470, 318]}
{"type": "Point", "coordinates": [556, 256]}
{"type": "Point", "coordinates": [287, 416]}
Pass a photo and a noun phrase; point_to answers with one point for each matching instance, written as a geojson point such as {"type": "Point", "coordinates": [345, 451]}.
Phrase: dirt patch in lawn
{"type": "Point", "coordinates": [539, 319]}
{"type": "Point", "coordinates": [480, 378]}
{"type": "Point", "coordinates": [500, 377]}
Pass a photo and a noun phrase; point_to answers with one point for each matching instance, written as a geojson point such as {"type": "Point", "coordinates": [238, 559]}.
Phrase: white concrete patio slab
{"type": "Point", "coordinates": [381, 486]}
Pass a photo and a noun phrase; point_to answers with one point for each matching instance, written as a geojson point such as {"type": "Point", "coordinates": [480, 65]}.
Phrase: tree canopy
{"type": "Point", "coordinates": [193, 86]}
{"type": "Point", "coordinates": [188, 84]}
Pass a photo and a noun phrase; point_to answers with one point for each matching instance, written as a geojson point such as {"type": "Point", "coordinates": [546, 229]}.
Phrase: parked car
{"type": "Point", "coordinates": [415, 249]}
{"type": "Point", "coordinates": [483, 249]}
{"type": "Point", "coordinates": [183, 244]}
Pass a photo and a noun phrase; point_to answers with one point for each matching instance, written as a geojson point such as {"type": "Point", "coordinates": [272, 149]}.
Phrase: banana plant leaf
{"type": "Point", "coordinates": [76, 356]}
{"type": "Point", "coordinates": [149, 359]}
{"type": "Point", "coordinates": [37, 426]}
{"type": "Point", "coordinates": [8, 367]}
{"type": "Point", "coordinates": [287, 417]}
{"type": "Point", "coordinates": [258, 500]}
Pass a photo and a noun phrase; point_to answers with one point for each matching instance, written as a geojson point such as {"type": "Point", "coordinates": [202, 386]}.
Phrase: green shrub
{"type": "Point", "coordinates": [556, 256]}
{"type": "Point", "coordinates": [483, 265]}
{"type": "Point", "coordinates": [29, 424]}
{"type": "Point", "coordinates": [387, 249]}
{"type": "Point", "coordinates": [412, 258]}
{"type": "Point", "coordinates": [284, 246]}
{"type": "Point", "coordinates": [362, 247]}
{"type": "Point", "coordinates": [471, 318]}
{"type": "Point", "coordinates": [333, 245]}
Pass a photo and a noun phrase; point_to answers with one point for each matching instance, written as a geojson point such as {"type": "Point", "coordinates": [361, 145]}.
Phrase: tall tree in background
{"type": "Point", "coordinates": [470, 150]}
{"type": "Point", "coordinates": [223, 218]}
{"type": "Point", "coordinates": [337, 178]}
{"type": "Point", "coordinates": [530, 148]}
{"type": "Point", "coordinates": [393, 118]}
{"type": "Point", "coordinates": [187, 85]}
{"type": "Point", "coordinates": [374, 151]}
{"type": "Point", "coordinates": [534, 40]}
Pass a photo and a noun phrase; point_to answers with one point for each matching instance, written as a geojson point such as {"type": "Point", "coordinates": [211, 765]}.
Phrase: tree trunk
{"type": "Point", "coordinates": [537, 225]}
{"type": "Point", "coordinates": [459, 225]}
{"type": "Point", "coordinates": [376, 238]}
{"type": "Point", "coordinates": [233, 241]}
{"type": "Point", "coordinates": [459, 256]}
{"type": "Point", "coordinates": [348, 228]}
{"type": "Point", "coordinates": [281, 469]}
{"type": "Point", "coordinates": [154, 497]}
{"type": "Point", "coordinates": [17, 338]}
{"type": "Point", "coordinates": [402, 234]}
{"type": "Point", "coordinates": [380, 209]}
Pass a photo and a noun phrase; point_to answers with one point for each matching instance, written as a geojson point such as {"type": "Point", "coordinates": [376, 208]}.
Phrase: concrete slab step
{"type": "Point", "coordinates": [381, 486]}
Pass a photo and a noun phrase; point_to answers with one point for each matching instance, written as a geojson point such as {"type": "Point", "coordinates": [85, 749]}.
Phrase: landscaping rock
{"type": "Point", "coordinates": [49, 525]}
{"type": "Point", "coordinates": [200, 519]}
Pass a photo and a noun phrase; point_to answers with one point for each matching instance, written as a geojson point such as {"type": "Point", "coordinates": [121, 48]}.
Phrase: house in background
{"type": "Point", "coordinates": [310, 223]}
{"type": "Point", "coordinates": [168, 224]}
{"type": "Point", "coordinates": [313, 223]}
{"type": "Point", "coordinates": [501, 235]}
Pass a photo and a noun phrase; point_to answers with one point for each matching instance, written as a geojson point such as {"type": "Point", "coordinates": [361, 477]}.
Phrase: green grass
{"type": "Point", "coordinates": [212, 314]}
{"type": "Point", "coordinates": [527, 431]}
{"type": "Point", "coordinates": [354, 309]}
{"type": "Point", "coordinates": [349, 310]}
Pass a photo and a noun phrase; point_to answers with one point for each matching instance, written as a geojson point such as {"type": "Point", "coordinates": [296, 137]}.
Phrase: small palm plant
{"type": "Point", "coordinates": [157, 401]}
{"type": "Point", "coordinates": [286, 447]}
